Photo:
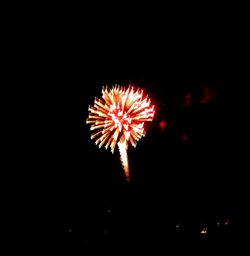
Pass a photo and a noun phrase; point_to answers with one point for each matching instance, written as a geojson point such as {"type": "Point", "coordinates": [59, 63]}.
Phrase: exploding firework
{"type": "Point", "coordinates": [119, 118]}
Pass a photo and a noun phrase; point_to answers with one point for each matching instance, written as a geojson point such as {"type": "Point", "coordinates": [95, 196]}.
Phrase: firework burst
{"type": "Point", "coordinates": [118, 118]}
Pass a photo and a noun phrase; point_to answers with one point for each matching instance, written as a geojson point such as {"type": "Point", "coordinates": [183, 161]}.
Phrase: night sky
{"type": "Point", "coordinates": [188, 173]}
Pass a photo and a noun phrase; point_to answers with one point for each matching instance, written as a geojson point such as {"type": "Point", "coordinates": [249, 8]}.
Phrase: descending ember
{"type": "Point", "coordinates": [119, 118]}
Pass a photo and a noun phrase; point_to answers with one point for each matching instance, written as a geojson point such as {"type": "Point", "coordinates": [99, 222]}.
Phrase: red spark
{"type": "Point", "coordinates": [163, 125]}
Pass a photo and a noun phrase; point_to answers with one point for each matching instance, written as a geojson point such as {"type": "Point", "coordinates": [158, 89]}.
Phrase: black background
{"type": "Point", "coordinates": [192, 173]}
{"type": "Point", "coordinates": [194, 183]}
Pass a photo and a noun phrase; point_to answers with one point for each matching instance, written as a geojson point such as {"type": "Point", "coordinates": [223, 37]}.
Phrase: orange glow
{"type": "Point", "coordinates": [204, 230]}
{"type": "Point", "coordinates": [119, 118]}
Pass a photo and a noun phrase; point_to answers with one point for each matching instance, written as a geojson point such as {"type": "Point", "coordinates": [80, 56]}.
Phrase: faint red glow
{"type": "Point", "coordinates": [184, 137]}
{"type": "Point", "coordinates": [187, 100]}
{"type": "Point", "coordinates": [163, 125]}
{"type": "Point", "coordinates": [208, 95]}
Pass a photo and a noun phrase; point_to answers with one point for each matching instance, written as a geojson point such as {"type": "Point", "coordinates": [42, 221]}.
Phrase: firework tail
{"type": "Point", "coordinates": [124, 158]}
{"type": "Point", "coordinates": [118, 118]}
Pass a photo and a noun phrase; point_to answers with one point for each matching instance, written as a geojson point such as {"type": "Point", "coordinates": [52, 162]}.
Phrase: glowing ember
{"type": "Point", "coordinates": [119, 118]}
